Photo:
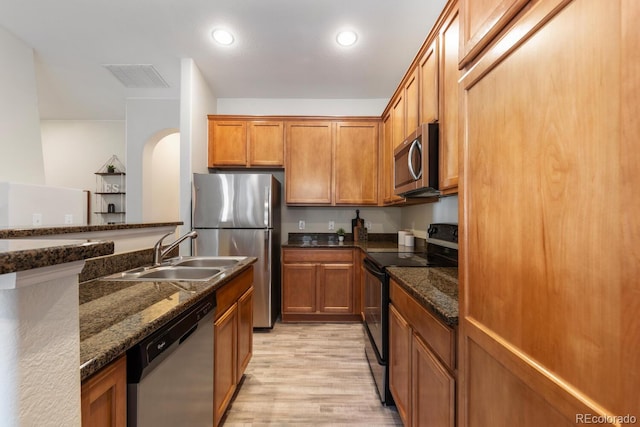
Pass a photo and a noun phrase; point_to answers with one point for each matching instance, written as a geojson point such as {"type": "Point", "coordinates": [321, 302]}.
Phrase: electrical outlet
{"type": "Point", "coordinates": [332, 225]}
{"type": "Point", "coordinates": [68, 219]}
{"type": "Point", "coordinates": [37, 219]}
{"type": "Point", "coordinates": [301, 225]}
{"type": "Point", "coordinates": [367, 225]}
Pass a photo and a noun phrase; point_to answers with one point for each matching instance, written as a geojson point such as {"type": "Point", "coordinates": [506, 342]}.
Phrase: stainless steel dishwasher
{"type": "Point", "coordinates": [170, 373]}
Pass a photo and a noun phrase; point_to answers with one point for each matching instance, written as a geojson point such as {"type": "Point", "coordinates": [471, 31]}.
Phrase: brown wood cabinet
{"type": "Point", "coordinates": [356, 163]}
{"type": "Point", "coordinates": [428, 68]}
{"type": "Point", "coordinates": [332, 162]}
{"type": "Point", "coordinates": [236, 141]}
{"type": "Point", "coordinates": [482, 21]}
{"type": "Point", "coordinates": [412, 102]}
{"type": "Point", "coordinates": [319, 284]}
{"type": "Point", "coordinates": [448, 97]}
{"type": "Point", "coordinates": [389, 196]}
{"type": "Point", "coordinates": [104, 396]}
{"type": "Point", "coordinates": [421, 363]}
{"type": "Point", "coordinates": [548, 315]}
{"type": "Point", "coordinates": [233, 339]}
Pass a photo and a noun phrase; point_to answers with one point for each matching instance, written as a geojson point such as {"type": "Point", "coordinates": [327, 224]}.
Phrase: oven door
{"type": "Point", "coordinates": [376, 305]}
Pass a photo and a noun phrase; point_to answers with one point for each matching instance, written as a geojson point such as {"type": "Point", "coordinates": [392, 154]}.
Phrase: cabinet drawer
{"type": "Point", "coordinates": [229, 293]}
{"type": "Point", "coordinates": [317, 255]}
{"type": "Point", "coordinates": [439, 337]}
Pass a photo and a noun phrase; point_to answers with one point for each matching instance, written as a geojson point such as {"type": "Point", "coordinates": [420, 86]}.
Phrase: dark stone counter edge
{"type": "Point", "coordinates": [14, 233]}
{"type": "Point", "coordinates": [14, 261]}
{"type": "Point", "coordinates": [425, 302]}
{"type": "Point", "coordinates": [90, 367]}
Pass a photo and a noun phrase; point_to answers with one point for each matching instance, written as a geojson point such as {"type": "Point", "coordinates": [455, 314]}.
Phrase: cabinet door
{"type": "Point", "coordinates": [412, 102]}
{"type": "Point", "coordinates": [225, 361]}
{"type": "Point", "coordinates": [400, 337]}
{"type": "Point", "coordinates": [356, 163]}
{"type": "Point", "coordinates": [104, 397]}
{"type": "Point", "coordinates": [389, 196]}
{"type": "Point", "coordinates": [429, 84]}
{"type": "Point", "coordinates": [227, 143]}
{"type": "Point", "coordinates": [308, 162]}
{"type": "Point", "coordinates": [266, 143]}
{"type": "Point", "coordinates": [449, 104]}
{"type": "Point", "coordinates": [245, 332]}
{"type": "Point", "coordinates": [483, 20]}
{"type": "Point", "coordinates": [335, 288]}
{"type": "Point", "coordinates": [298, 288]}
{"type": "Point", "coordinates": [398, 121]}
{"type": "Point", "coordinates": [432, 391]}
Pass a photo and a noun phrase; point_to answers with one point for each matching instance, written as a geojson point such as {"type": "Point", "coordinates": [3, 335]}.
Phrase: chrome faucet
{"type": "Point", "coordinates": [159, 253]}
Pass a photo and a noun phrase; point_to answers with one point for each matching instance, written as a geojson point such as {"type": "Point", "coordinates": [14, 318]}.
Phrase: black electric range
{"type": "Point", "coordinates": [441, 251]}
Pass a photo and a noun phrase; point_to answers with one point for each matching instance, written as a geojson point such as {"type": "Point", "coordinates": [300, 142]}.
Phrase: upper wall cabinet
{"type": "Point", "coordinates": [242, 142]}
{"type": "Point", "coordinates": [449, 76]}
{"type": "Point", "coordinates": [332, 162]}
{"type": "Point", "coordinates": [428, 71]}
{"type": "Point", "coordinates": [482, 21]}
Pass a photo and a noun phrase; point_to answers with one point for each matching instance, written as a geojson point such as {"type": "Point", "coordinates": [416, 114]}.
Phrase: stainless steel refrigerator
{"type": "Point", "coordinates": [239, 214]}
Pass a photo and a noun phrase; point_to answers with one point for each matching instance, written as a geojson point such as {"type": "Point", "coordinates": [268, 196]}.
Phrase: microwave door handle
{"type": "Point", "coordinates": [414, 144]}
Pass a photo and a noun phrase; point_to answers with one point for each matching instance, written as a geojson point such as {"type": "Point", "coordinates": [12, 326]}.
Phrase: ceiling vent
{"type": "Point", "coordinates": [137, 76]}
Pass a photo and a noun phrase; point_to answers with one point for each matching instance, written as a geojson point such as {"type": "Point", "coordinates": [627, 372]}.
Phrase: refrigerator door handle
{"type": "Point", "coordinates": [267, 198]}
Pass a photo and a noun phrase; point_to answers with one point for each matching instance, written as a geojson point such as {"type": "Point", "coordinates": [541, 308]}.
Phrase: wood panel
{"type": "Point", "coordinates": [412, 102]}
{"type": "Point", "coordinates": [399, 130]}
{"type": "Point", "coordinates": [104, 396]}
{"type": "Point", "coordinates": [335, 288]}
{"type": "Point", "coordinates": [433, 396]}
{"type": "Point", "coordinates": [356, 163]}
{"type": "Point", "coordinates": [550, 161]}
{"type": "Point", "coordinates": [266, 143]}
{"type": "Point", "coordinates": [400, 336]}
{"type": "Point", "coordinates": [245, 332]}
{"type": "Point", "coordinates": [228, 294]}
{"type": "Point", "coordinates": [388, 195]}
{"type": "Point", "coordinates": [317, 255]}
{"type": "Point", "coordinates": [298, 288]}
{"type": "Point", "coordinates": [308, 162]}
{"type": "Point", "coordinates": [227, 143]}
{"type": "Point", "coordinates": [428, 68]}
{"type": "Point", "coordinates": [225, 361]}
{"type": "Point", "coordinates": [483, 20]}
{"type": "Point", "coordinates": [449, 76]}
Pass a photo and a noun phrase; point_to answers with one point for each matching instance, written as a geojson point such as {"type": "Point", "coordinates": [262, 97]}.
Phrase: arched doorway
{"type": "Point", "coordinates": [161, 177]}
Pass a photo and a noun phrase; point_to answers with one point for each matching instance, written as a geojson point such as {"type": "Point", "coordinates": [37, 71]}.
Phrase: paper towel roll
{"type": "Point", "coordinates": [401, 236]}
{"type": "Point", "coordinates": [409, 240]}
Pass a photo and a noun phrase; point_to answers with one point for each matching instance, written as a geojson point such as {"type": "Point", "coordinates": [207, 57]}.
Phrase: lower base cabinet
{"type": "Point", "coordinates": [233, 340]}
{"type": "Point", "coordinates": [421, 363]}
{"type": "Point", "coordinates": [104, 397]}
{"type": "Point", "coordinates": [319, 284]}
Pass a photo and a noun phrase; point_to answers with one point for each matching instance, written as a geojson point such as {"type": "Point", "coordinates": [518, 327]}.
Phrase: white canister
{"type": "Point", "coordinates": [401, 235]}
{"type": "Point", "coordinates": [409, 240]}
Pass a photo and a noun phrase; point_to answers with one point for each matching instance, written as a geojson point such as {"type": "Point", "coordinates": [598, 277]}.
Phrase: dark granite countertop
{"type": "Point", "coordinates": [12, 233]}
{"type": "Point", "coordinates": [435, 288]}
{"type": "Point", "coordinates": [116, 315]}
{"type": "Point", "coordinates": [26, 254]}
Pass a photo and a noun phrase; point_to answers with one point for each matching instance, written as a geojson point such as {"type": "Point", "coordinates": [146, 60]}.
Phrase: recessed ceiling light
{"type": "Point", "coordinates": [222, 36]}
{"type": "Point", "coordinates": [346, 38]}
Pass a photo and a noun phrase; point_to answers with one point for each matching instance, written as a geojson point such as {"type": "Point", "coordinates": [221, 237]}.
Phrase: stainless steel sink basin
{"type": "Point", "coordinates": [180, 273]}
{"type": "Point", "coordinates": [206, 261]}
{"type": "Point", "coordinates": [180, 269]}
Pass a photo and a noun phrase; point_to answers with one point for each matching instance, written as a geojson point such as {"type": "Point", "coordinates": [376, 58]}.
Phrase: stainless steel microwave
{"type": "Point", "coordinates": [416, 163]}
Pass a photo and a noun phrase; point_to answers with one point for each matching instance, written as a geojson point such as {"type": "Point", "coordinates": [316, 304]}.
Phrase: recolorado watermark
{"type": "Point", "coordinates": [605, 419]}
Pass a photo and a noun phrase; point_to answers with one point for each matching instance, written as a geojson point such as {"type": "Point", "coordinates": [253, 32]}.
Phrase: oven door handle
{"type": "Point", "coordinates": [372, 268]}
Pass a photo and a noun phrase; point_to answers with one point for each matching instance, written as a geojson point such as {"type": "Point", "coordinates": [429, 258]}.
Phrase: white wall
{"type": "Point", "coordinates": [162, 203]}
{"type": "Point", "coordinates": [20, 145]}
{"type": "Point", "coordinates": [196, 102]}
{"type": "Point", "coordinates": [302, 107]}
{"type": "Point", "coordinates": [147, 121]}
{"type": "Point", "coordinates": [418, 217]}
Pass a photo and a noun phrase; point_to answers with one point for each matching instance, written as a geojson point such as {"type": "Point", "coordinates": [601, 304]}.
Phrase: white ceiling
{"type": "Point", "coordinates": [283, 49]}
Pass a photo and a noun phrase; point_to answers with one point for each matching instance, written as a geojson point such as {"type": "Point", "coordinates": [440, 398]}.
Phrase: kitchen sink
{"type": "Point", "coordinates": [180, 269]}
{"type": "Point", "coordinates": [198, 261]}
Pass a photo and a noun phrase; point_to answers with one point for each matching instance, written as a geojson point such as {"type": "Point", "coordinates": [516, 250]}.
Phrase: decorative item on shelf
{"type": "Point", "coordinates": [113, 165]}
{"type": "Point", "coordinates": [111, 208]}
{"type": "Point", "coordinates": [340, 232]}
{"type": "Point", "coordinates": [111, 169]}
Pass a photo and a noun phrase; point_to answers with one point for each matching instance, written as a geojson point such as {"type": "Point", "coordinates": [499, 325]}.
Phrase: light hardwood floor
{"type": "Point", "coordinates": [309, 375]}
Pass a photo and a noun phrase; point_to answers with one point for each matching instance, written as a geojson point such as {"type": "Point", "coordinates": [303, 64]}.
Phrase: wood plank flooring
{"type": "Point", "coordinates": [308, 374]}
